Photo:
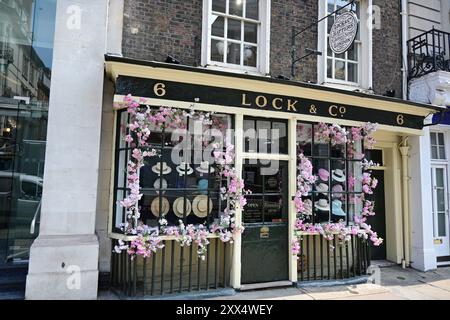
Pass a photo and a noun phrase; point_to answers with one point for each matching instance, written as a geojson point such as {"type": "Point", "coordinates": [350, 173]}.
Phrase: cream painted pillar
{"type": "Point", "coordinates": [115, 27]}
{"type": "Point", "coordinates": [64, 258]}
{"type": "Point", "coordinates": [423, 256]}
{"type": "Point", "coordinates": [235, 278]}
{"type": "Point", "coordinates": [292, 138]}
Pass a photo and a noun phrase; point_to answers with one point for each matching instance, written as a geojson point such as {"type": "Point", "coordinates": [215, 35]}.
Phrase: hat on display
{"type": "Point", "coordinates": [160, 184]}
{"type": "Point", "coordinates": [179, 205]}
{"type": "Point", "coordinates": [338, 175]}
{"type": "Point", "coordinates": [165, 206]}
{"type": "Point", "coordinates": [203, 168]}
{"type": "Point", "coordinates": [184, 169]}
{"type": "Point", "coordinates": [322, 205]}
{"type": "Point", "coordinates": [307, 204]}
{"type": "Point", "coordinates": [336, 208]}
{"type": "Point", "coordinates": [322, 187]}
{"type": "Point", "coordinates": [200, 206]}
{"type": "Point", "coordinates": [324, 174]}
{"type": "Point", "coordinates": [337, 191]}
{"type": "Point", "coordinates": [161, 168]}
{"type": "Point", "coordinates": [203, 185]}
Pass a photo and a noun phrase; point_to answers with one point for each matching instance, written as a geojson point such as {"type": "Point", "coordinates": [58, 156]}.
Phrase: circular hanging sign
{"type": "Point", "coordinates": [343, 32]}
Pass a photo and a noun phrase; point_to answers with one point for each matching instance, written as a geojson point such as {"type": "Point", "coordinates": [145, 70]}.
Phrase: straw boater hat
{"type": "Point", "coordinates": [322, 187]}
{"type": "Point", "coordinates": [338, 175]}
{"type": "Point", "coordinates": [184, 169]}
{"type": "Point", "coordinates": [203, 168]}
{"type": "Point", "coordinates": [165, 206]}
{"type": "Point", "coordinates": [323, 205]}
{"type": "Point", "coordinates": [200, 206]}
{"type": "Point", "coordinates": [178, 207]}
{"type": "Point", "coordinates": [160, 184]}
{"type": "Point", "coordinates": [161, 168]}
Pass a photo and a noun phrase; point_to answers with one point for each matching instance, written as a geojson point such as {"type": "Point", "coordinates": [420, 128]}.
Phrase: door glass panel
{"type": "Point", "coordinates": [441, 225]}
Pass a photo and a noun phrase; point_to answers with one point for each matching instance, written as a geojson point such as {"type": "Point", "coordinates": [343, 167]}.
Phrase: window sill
{"type": "Point", "coordinates": [347, 87]}
{"type": "Point", "coordinates": [234, 70]}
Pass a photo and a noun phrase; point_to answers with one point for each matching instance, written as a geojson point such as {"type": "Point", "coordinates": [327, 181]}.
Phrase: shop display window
{"type": "Point", "coordinates": [337, 194]}
{"type": "Point", "coordinates": [181, 182]}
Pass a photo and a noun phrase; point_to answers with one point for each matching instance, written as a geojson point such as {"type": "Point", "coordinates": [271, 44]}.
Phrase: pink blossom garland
{"type": "Point", "coordinates": [305, 180]}
{"type": "Point", "coordinates": [148, 240]}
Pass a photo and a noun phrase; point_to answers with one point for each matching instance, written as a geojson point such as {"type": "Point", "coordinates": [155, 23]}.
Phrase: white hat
{"type": "Point", "coordinates": [161, 168]}
{"type": "Point", "coordinates": [182, 169]}
{"type": "Point", "coordinates": [165, 206]}
{"type": "Point", "coordinates": [323, 205]}
{"type": "Point", "coordinates": [203, 168]}
{"type": "Point", "coordinates": [200, 206]}
{"type": "Point", "coordinates": [178, 207]}
{"type": "Point", "coordinates": [338, 175]}
{"type": "Point", "coordinates": [160, 184]}
{"type": "Point", "coordinates": [322, 187]}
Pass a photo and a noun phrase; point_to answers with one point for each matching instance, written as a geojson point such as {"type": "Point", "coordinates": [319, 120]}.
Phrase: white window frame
{"type": "Point", "coordinates": [263, 45]}
{"type": "Point", "coordinates": [365, 52]}
{"type": "Point", "coordinates": [439, 160]}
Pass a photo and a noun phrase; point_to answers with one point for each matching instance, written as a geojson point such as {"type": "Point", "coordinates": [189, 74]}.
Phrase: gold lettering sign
{"type": "Point", "coordinates": [159, 89]}
{"type": "Point", "coordinates": [400, 120]}
{"type": "Point", "coordinates": [244, 100]}
{"type": "Point", "coordinates": [332, 110]}
{"type": "Point", "coordinates": [274, 103]}
{"type": "Point", "coordinates": [312, 109]}
{"type": "Point", "coordinates": [291, 105]}
{"type": "Point", "coordinates": [258, 101]}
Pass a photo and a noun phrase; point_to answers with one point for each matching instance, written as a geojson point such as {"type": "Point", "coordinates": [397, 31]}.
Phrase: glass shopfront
{"type": "Point", "coordinates": [26, 46]}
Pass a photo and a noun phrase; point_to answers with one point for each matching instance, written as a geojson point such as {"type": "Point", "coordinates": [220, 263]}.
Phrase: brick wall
{"type": "Point", "coordinates": [387, 49]}
{"type": "Point", "coordinates": [154, 29]}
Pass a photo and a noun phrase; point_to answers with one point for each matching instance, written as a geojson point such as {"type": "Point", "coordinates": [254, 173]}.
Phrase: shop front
{"type": "Point", "coordinates": [233, 181]}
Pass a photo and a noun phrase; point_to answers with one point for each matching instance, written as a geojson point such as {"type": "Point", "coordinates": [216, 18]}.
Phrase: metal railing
{"type": "Point", "coordinates": [428, 52]}
{"type": "Point", "coordinates": [321, 259]}
{"type": "Point", "coordinates": [173, 269]}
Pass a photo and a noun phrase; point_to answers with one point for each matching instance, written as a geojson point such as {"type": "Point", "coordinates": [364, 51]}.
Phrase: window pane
{"type": "Point", "coordinates": [441, 225]}
{"type": "Point", "coordinates": [330, 68]}
{"type": "Point", "coordinates": [217, 50]}
{"type": "Point", "coordinates": [251, 9]}
{"type": "Point", "coordinates": [218, 5]}
{"type": "Point", "coordinates": [234, 29]}
{"type": "Point", "coordinates": [330, 22]}
{"type": "Point", "coordinates": [352, 72]}
{"type": "Point", "coordinates": [250, 56]}
{"type": "Point", "coordinates": [339, 70]}
{"type": "Point", "coordinates": [433, 138]}
{"type": "Point", "coordinates": [434, 152]}
{"type": "Point", "coordinates": [441, 153]}
{"type": "Point", "coordinates": [234, 53]}
{"type": "Point", "coordinates": [439, 178]}
{"type": "Point", "coordinates": [235, 7]}
{"type": "Point", "coordinates": [250, 32]}
{"type": "Point", "coordinates": [273, 207]}
{"type": "Point", "coordinates": [330, 6]}
{"type": "Point", "coordinates": [441, 138]}
{"type": "Point", "coordinates": [440, 200]}
{"type": "Point", "coordinates": [279, 138]}
{"type": "Point", "coordinates": [352, 53]}
{"type": "Point", "coordinates": [217, 26]}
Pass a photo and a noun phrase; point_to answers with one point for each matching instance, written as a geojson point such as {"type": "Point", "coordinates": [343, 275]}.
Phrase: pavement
{"type": "Point", "coordinates": [394, 283]}
{"type": "Point", "coordinates": [391, 283]}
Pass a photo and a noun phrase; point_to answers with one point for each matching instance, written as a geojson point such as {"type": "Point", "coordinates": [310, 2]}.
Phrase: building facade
{"type": "Point", "coordinates": [232, 60]}
{"type": "Point", "coordinates": [428, 80]}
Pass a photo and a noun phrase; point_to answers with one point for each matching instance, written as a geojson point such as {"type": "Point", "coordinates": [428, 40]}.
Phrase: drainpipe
{"type": "Point", "coordinates": [404, 150]}
{"type": "Point", "coordinates": [404, 15]}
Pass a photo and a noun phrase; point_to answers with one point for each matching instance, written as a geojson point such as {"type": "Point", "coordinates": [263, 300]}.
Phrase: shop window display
{"type": "Point", "coordinates": [336, 194]}
{"type": "Point", "coordinates": [179, 182]}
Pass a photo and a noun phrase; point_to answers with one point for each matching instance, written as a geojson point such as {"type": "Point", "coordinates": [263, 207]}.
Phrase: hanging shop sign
{"type": "Point", "coordinates": [187, 92]}
{"type": "Point", "coordinates": [343, 32]}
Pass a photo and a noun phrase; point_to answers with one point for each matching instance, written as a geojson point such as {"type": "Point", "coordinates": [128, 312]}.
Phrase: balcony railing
{"type": "Point", "coordinates": [428, 52]}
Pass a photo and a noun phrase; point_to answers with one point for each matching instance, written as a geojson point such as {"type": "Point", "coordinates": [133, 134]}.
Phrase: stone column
{"type": "Point", "coordinates": [64, 258]}
{"type": "Point", "coordinates": [421, 218]}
